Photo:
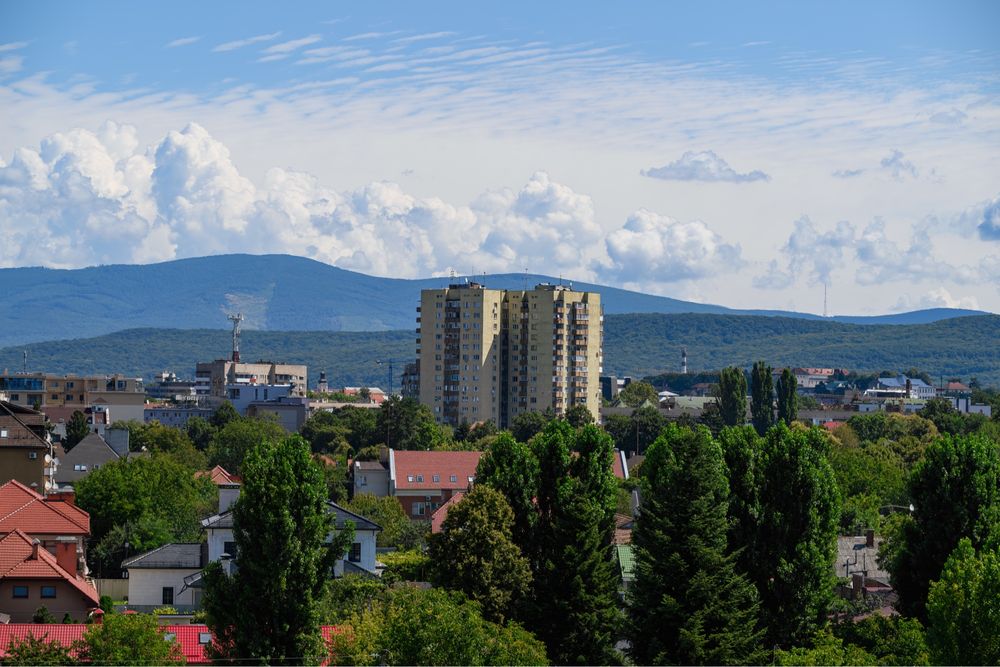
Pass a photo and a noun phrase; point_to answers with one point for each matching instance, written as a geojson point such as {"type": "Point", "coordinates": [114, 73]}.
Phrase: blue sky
{"type": "Point", "coordinates": [727, 152]}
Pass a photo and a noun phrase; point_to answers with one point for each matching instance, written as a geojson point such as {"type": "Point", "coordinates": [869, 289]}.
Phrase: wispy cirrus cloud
{"type": "Point", "coordinates": [12, 46]}
{"type": "Point", "coordinates": [182, 41]}
{"type": "Point", "coordinates": [285, 49]}
{"type": "Point", "coordinates": [240, 43]}
{"type": "Point", "coordinates": [703, 166]}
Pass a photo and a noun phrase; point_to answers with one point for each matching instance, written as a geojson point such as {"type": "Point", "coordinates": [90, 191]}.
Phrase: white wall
{"type": "Point", "coordinates": [145, 585]}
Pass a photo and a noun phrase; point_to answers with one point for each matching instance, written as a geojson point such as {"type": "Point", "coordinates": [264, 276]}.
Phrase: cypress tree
{"type": "Point", "coordinates": [733, 396]}
{"type": "Point", "coordinates": [688, 604]}
{"type": "Point", "coordinates": [761, 399]}
{"type": "Point", "coordinates": [788, 400]}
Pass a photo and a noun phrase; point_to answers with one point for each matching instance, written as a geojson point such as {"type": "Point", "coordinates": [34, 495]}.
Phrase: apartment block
{"type": "Point", "coordinates": [123, 396]}
{"type": "Point", "coordinates": [492, 354]}
{"type": "Point", "coordinates": [221, 378]}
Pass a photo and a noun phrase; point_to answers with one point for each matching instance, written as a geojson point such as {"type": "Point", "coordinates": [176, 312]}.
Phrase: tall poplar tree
{"type": "Point", "coordinates": [267, 611]}
{"type": "Point", "coordinates": [788, 400]}
{"type": "Point", "coordinates": [511, 468]}
{"type": "Point", "coordinates": [761, 397]}
{"type": "Point", "coordinates": [733, 396]}
{"type": "Point", "coordinates": [688, 604]}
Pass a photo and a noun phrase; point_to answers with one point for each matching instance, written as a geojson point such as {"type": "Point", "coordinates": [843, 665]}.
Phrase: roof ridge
{"type": "Point", "coordinates": [14, 416]}
{"type": "Point", "coordinates": [355, 514]}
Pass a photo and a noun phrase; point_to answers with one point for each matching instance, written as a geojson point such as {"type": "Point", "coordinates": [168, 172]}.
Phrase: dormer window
{"type": "Point", "coordinates": [420, 478]}
{"type": "Point", "coordinates": [409, 478]}
{"type": "Point", "coordinates": [454, 478]}
{"type": "Point", "coordinates": [436, 478]}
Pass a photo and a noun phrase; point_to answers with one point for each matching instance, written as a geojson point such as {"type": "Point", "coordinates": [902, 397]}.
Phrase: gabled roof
{"type": "Point", "coordinates": [174, 556]}
{"type": "Point", "coordinates": [441, 513]}
{"type": "Point", "coordinates": [22, 507]}
{"type": "Point", "coordinates": [27, 437]}
{"type": "Point", "coordinates": [92, 451]}
{"type": "Point", "coordinates": [65, 634]}
{"type": "Point", "coordinates": [21, 559]}
{"type": "Point", "coordinates": [416, 470]}
{"type": "Point", "coordinates": [220, 476]}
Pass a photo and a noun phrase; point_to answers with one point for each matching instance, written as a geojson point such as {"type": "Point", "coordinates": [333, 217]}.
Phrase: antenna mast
{"type": "Point", "coordinates": [825, 313]}
{"type": "Point", "coordinates": [237, 320]}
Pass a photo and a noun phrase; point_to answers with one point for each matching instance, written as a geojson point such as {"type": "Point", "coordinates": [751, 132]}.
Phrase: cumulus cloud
{"type": "Point", "coordinates": [808, 252]}
{"type": "Point", "coordinates": [703, 166]}
{"type": "Point", "coordinates": [652, 248]}
{"type": "Point", "coordinates": [937, 298]}
{"type": "Point", "coordinates": [951, 117]}
{"type": "Point", "coordinates": [895, 165]}
{"type": "Point", "coordinates": [989, 225]}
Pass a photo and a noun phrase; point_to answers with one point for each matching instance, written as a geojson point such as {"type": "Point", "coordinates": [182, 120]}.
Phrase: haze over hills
{"type": "Point", "coordinates": [636, 345]}
{"type": "Point", "coordinates": [276, 293]}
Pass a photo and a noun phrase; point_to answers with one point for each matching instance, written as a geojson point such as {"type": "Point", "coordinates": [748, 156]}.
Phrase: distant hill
{"type": "Point", "coordinates": [637, 345]}
{"type": "Point", "coordinates": [275, 293]}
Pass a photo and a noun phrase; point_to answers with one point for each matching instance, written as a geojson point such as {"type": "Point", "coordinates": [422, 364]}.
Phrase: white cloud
{"type": "Point", "coordinates": [655, 249]}
{"type": "Point", "coordinates": [183, 41]}
{"type": "Point", "coordinates": [936, 298]}
{"type": "Point", "coordinates": [703, 166]}
{"type": "Point", "coordinates": [240, 43]}
{"type": "Point", "coordinates": [808, 252]}
{"type": "Point", "coordinates": [894, 164]}
{"type": "Point", "coordinates": [11, 64]}
{"type": "Point", "coordinates": [292, 45]}
{"type": "Point", "coordinates": [12, 46]}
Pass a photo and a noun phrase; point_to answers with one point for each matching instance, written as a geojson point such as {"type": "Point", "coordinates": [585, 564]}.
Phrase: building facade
{"type": "Point", "coordinates": [218, 378]}
{"type": "Point", "coordinates": [491, 354]}
{"type": "Point", "coordinates": [123, 396]}
{"type": "Point", "coordinates": [26, 451]}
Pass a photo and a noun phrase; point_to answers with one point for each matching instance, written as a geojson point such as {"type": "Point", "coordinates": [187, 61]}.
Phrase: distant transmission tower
{"type": "Point", "coordinates": [825, 312]}
{"type": "Point", "coordinates": [237, 320]}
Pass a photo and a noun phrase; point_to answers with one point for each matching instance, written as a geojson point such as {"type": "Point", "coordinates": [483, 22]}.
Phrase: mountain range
{"type": "Point", "coordinates": [280, 293]}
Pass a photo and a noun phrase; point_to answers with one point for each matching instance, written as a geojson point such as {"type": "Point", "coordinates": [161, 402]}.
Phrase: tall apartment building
{"type": "Point", "coordinates": [491, 354]}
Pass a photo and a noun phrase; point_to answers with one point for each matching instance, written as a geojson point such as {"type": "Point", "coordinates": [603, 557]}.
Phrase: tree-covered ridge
{"type": "Point", "coordinates": [636, 345]}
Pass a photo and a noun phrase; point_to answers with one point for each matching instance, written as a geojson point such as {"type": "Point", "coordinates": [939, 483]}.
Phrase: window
{"type": "Point", "coordinates": [79, 467]}
{"type": "Point", "coordinates": [3, 433]}
{"type": "Point", "coordinates": [436, 478]}
{"type": "Point", "coordinates": [418, 509]}
{"type": "Point", "coordinates": [420, 478]}
{"type": "Point", "coordinates": [32, 455]}
{"type": "Point", "coordinates": [20, 591]}
{"type": "Point", "coordinates": [230, 548]}
{"type": "Point", "coordinates": [355, 555]}
{"type": "Point", "coordinates": [168, 595]}
{"type": "Point", "coordinates": [48, 591]}
{"type": "Point", "coordinates": [454, 478]}
{"type": "Point", "coordinates": [204, 637]}
{"type": "Point", "coordinates": [409, 478]}
{"type": "Point", "coordinates": [363, 480]}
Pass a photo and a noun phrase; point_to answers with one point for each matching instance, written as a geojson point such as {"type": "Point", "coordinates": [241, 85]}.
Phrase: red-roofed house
{"type": "Point", "coordinates": [441, 513]}
{"type": "Point", "coordinates": [30, 577]}
{"type": "Point", "coordinates": [423, 481]}
{"type": "Point", "coordinates": [55, 521]}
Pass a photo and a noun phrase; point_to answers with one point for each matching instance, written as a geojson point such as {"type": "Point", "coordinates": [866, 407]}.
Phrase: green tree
{"type": "Point", "coordinates": [955, 494]}
{"type": "Point", "coordinates": [788, 410]}
{"type": "Point", "coordinates": [826, 649]}
{"type": "Point", "coordinates": [43, 615]}
{"type": "Point", "coordinates": [386, 512]}
{"type": "Point", "coordinates": [526, 425]}
{"type": "Point", "coordinates": [741, 449]}
{"type": "Point", "coordinates": [733, 396]}
{"type": "Point", "coordinates": [324, 433]}
{"type": "Point", "coordinates": [578, 416]}
{"type": "Point", "coordinates": [199, 431]}
{"type": "Point", "coordinates": [688, 604]}
{"type": "Point", "coordinates": [636, 432]}
{"type": "Point", "coordinates": [129, 639]}
{"type": "Point", "coordinates": [269, 609]}
{"type": "Point", "coordinates": [77, 429]}
{"type": "Point", "coordinates": [224, 414]}
{"type": "Point", "coordinates": [39, 650]}
{"type": "Point", "coordinates": [891, 640]}
{"type": "Point", "coordinates": [410, 626]}
{"type": "Point", "coordinates": [636, 393]}
{"type": "Point", "coordinates": [794, 537]}
{"type": "Point", "coordinates": [232, 441]}
{"type": "Point", "coordinates": [963, 608]}
{"type": "Point", "coordinates": [403, 423]}
{"type": "Point", "coordinates": [156, 437]}
{"type": "Point", "coordinates": [761, 397]}
{"type": "Point", "coordinates": [510, 467]}
{"type": "Point", "coordinates": [475, 553]}
{"type": "Point", "coordinates": [349, 595]}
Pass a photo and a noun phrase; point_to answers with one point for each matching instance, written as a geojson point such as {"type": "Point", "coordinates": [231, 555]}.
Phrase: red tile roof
{"type": "Point", "coordinates": [219, 475]}
{"type": "Point", "coordinates": [19, 559]}
{"type": "Point", "coordinates": [618, 464]}
{"type": "Point", "coordinates": [410, 467]}
{"type": "Point", "coordinates": [22, 507]}
{"type": "Point", "coordinates": [441, 513]}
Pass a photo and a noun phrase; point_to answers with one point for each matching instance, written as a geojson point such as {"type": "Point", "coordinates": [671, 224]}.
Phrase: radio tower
{"type": "Point", "coordinates": [825, 312]}
{"type": "Point", "coordinates": [237, 320]}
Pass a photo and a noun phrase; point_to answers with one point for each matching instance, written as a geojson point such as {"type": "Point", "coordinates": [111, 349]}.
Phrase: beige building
{"type": "Point", "coordinates": [125, 397]}
{"type": "Point", "coordinates": [490, 354]}
{"type": "Point", "coordinates": [213, 377]}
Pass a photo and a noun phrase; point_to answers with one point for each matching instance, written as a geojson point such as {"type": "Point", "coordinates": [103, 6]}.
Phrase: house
{"type": "Point", "coordinates": [371, 477]}
{"type": "Point", "coordinates": [26, 451]}
{"type": "Point", "coordinates": [857, 561]}
{"type": "Point", "coordinates": [60, 526]}
{"type": "Point", "coordinates": [441, 513]}
{"type": "Point", "coordinates": [30, 577]}
{"type": "Point", "coordinates": [902, 386]}
{"type": "Point", "coordinates": [91, 453]}
{"type": "Point", "coordinates": [375, 395]}
{"type": "Point", "coordinates": [423, 481]}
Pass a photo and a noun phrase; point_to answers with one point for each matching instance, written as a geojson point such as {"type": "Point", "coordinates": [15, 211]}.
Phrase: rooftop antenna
{"type": "Point", "coordinates": [525, 279]}
{"type": "Point", "coordinates": [237, 320]}
{"type": "Point", "coordinates": [25, 369]}
{"type": "Point", "coordinates": [825, 313]}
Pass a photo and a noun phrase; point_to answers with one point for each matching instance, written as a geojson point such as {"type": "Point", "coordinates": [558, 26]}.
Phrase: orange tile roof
{"type": "Point", "coordinates": [219, 475]}
{"type": "Point", "coordinates": [441, 513]}
{"type": "Point", "coordinates": [22, 507]}
{"type": "Point", "coordinates": [18, 560]}
{"type": "Point", "coordinates": [417, 465]}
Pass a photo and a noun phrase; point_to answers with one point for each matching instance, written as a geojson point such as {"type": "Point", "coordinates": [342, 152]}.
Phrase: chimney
{"type": "Point", "coordinates": [228, 494]}
{"type": "Point", "coordinates": [857, 584]}
{"type": "Point", "coordinates": [909, 388]}
{"type": "Point", "coordinates": [66, 496]}
{"type": "Point", "coordinates": [870, 538]}
{"type": "Point", "coordinates": [35, 546]}
{"type": "Point", "coordinates": [66, 554]}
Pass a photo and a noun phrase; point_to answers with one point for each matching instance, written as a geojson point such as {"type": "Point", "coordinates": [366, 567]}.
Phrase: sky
{"type": "Point", "coordinates": [752, 155]}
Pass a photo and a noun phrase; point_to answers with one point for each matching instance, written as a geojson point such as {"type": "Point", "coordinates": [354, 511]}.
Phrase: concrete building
{"type": "Point", "coordinates": [123, 397]}
{"type": "Point", "coordinates": [175, 415]}
{"type": "Point", "coordinates": [168, 387]}
{"type": "Point", "coordinates": [490, 354]}
{"type": "Point", "coordinates": [26, 451]}
{"type": "Point", "coordinates": [217, 378]}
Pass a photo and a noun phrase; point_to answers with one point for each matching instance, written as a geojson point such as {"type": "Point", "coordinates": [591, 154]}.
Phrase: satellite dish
{"type": "Point", "coordinates": [48, 458]}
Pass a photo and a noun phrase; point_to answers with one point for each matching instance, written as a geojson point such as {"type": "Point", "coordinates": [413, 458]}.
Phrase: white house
{"type": "Point", "coordinates": [156, 578]}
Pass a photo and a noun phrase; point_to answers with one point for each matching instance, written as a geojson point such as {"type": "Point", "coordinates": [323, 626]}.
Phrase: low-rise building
{"type": "Point", "coordinates": [30, 577]}
{"type": "Point", "coordinates": [26, 451]}
{"type": "Point", "coordinates": [175, 415]}
{"type": "Point", "coordinates": [90, 454]}
{"type": "Point", "coordinates": [217, 378]}
{"type": "Point", "coordinates": [123, 396]}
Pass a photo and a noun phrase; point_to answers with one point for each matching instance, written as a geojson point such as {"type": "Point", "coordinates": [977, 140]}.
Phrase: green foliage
{"type": "Point", "coordinates": [38, 650]}
{"type": "Point", "coordinates": [403, 423]}
{"type": "Point", "coordinates": [107, 604]}
{"type": "Point", "coordinates": [269, 609]}
{"type": "Point", "coordinates": [955, 495]}
{"type": "Point", "coordinates": [155, 437]}
{"type": "Point", "coordinates": [200, 431]}
{"type": "Point", "coordinates": [788, 398]}
{"type": "Point", "coordinates": [406, 565]}
{"type": "Point", "coordinates": [233, 440]}
{"type": "Point", "coordinates": [43, 615]}
{"type": "Point", "coordinates": [869, 476]}
{"type": "Point", "coordinates": [526, 425]}
{"type": "Point", "coordinates": [129, 639]}
{"type": "Point", "coordinates": [733, 396]}
{"type": "Point", "coordinates": [349, 595]}
{"type": "Point", "coordinates": [826, 649]}
{"type": "Point", "coordinates": [688, 604]}
{"type": "Point", "coordinates": [77, 429]}
{"type": "Point", "coordinates": [336, 475]}
{"type": "Point", "coordinates": [224, 414]}
{"type": "Point", "coordinates": [963, 608]}
{"type": "Point", "coordinates": [761, 397]}
{"type": "Point", "coordinates": [386, 512]}
{"type": "Point", "coordinates": [636, 432]}
{"type": "Point", "coordinates": [891, 640]}
{"type": "Point", "coordinates": [510, 467]}
{"type": "Point", "coordinates": [908, 435]}
{"type": "Point", "coordinates": [638, 392]}
{"type": "Point", "coordinates": [410, 626]}
{"type": "Point", "coordinates": [324, 434]}
{"type": "Point", "coordinates": [145, 501]}
{"type": "Point", "coordinates": [949, 420]}
{"type": "Point", "coordinates": [474, 553]}
{"type": "Point", "coordinates": [579, 416]}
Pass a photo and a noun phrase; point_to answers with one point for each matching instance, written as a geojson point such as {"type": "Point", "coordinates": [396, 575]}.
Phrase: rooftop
{"type": "Point", "coordinates": [24, 508]}
{"type": "Point", "coordinates": [433, 470]}
{"type": "Point", "coordinates": [174, 556]}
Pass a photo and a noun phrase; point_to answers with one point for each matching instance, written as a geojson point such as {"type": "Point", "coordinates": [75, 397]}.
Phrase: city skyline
{"type": "Point", "coordinates": [744, 156]}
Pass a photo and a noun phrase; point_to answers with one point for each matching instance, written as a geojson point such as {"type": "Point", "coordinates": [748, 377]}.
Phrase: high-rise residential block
{"type": "Point", "coordinates": [492, 354]}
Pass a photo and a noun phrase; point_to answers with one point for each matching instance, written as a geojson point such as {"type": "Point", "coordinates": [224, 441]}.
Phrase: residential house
{"type": "Point", "coordinates": [371, 477]}
{"type": "Point", "coordinates": [441, 513]}
{"type": "Point", "coordinates": [375, 395]}
{"type": "Point", "coordinates": [423, 481]}
{"type": "Point", "coordinates": [156, 578]}
{"type": "Point", "coordinates": [31, 577]}
{"type": "Point", "coordinates": [857, 561]}
{"type": "Point", "coordinates": [91, 453]}
{"type": "Point", "coordinates": [902, 387]}
{"type": "Point", "coordinates": [289, 411]}
{"type": "Point", "coordinates": [54, 520]}
{"type": "Point", "coordinates": [26, 451]}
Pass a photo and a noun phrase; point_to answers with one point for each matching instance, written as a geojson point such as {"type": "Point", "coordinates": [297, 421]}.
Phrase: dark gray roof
{"type": "Point", "coordinates": [92, 451]}
{"type": "Point", "coordinates": [343, 515]}
{"type": "Point", "coordinates": [368, 465]}
{"type": "Point", "coordinates": [174, 556]}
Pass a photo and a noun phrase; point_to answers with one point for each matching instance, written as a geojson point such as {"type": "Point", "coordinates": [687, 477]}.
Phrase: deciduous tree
{"type": "Point", "coordinates": [638, 392]}
{"type": "Point", "coordinates": [788, 410]}
{"type": "Point", "coordinates": [733, 396]}
{"type": "Point", "coordinates": [761, 397]}
{"type": "Point", "coordinates": [129, 639]}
